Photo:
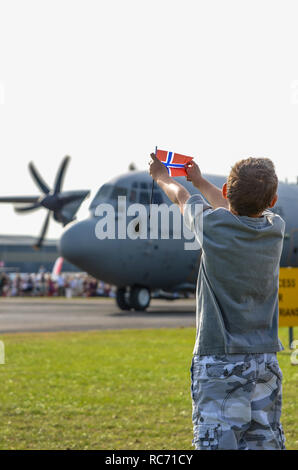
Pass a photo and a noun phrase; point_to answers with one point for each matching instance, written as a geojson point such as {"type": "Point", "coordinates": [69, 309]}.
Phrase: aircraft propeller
{"type": "Point", "coordinates": [63, 204]}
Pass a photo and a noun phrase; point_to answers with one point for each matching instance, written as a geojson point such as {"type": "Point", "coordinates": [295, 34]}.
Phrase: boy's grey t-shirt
{"type": "Point", "coordinates": [237, 287]}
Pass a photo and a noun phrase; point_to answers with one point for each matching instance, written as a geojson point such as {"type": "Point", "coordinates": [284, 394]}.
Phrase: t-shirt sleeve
{"type": "Point", "coordinates": [195, 208]}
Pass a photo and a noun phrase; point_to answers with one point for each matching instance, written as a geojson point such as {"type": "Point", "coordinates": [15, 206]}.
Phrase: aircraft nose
{"type": "Point", "coordinates": [80, 246]}
{"type": "Point", "coordinates": [74, 241]}
{"type": "Point", "coordinates": [100, 258]}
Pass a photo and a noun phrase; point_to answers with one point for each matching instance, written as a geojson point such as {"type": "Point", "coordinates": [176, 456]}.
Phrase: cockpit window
{"type": "Point", "coordinates": [118, 191]}
{"type": "Point", "coordinates": [144, 197]}
{"type": "Point", "coordinates": [133, 196]}
{"type": "Point", "coordinates": [102, 194]}
{"type": "Point", "coordinates": [157, 197]}
{"type": "Point", "coordinates": [140, 192]}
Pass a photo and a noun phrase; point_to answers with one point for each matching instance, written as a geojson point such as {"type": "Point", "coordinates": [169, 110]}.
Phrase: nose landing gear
{"type": "Point", "coordinates": [136, 298]}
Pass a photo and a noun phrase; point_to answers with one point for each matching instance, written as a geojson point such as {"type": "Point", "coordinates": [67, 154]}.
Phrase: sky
{"type": "Point", "coordinates": [105, 81]}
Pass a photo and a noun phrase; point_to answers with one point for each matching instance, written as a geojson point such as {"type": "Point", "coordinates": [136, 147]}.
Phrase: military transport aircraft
{"type": "Point", "coordinates": [139, 266]}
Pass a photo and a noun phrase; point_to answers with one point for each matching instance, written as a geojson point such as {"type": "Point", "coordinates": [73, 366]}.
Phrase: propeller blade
{"type": "Point", "coordinates": [32, 207]}
{"type": "Point", "coordinates": [71, 196]}
{"type": "Point", "coordinates": [38, 179]}
{"type": "Point", "coordinates": [43, 231]}
{"type": "Point", "coordinates": [60, 175]}
{"type": "Point", "coordinates": [17, 199]}
{"type": "Point", "coordinates": [64, 205]}
{"type": "Point", "coordinates": [70, 202]}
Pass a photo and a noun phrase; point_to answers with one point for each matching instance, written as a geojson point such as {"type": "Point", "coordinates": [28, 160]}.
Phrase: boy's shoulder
{"type": "Point", "coordinates": [225, 216]}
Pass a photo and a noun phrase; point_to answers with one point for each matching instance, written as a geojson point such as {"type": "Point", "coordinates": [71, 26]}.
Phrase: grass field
{"type": "Point", "coordinates": [124, 389]}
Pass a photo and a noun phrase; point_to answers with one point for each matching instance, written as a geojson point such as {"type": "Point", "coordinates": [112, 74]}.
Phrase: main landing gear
{"type": "Point", "coordinates": [134, 298]}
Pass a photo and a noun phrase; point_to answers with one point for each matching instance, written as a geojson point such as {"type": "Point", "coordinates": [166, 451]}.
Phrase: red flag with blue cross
{"type": "Point", "coordinates": [174, 162]}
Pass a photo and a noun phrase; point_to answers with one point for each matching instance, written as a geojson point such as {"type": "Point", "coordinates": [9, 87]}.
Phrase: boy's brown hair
{"type": "Point", "coordinates": [251, 186]}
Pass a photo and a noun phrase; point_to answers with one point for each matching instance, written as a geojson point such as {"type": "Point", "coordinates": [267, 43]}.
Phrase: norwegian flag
{"type": "Point", "coordinates": [174, 162]}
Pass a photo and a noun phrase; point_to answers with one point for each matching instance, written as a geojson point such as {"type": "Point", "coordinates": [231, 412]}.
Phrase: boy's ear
{"type": "Point", "coordinates": [273, 202]}
{"type": "Point", "coordinates": [224, 191]}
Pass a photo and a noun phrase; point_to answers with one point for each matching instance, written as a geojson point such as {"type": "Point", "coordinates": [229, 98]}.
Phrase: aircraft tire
{"type": "Point", "coordinates": [121, 299]}
{"type": "Point", "coordinates": [140, 298]}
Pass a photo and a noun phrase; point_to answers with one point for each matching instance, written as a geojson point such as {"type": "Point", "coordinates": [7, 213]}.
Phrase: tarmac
{"type": "Point", "coordinates": [32, 314]}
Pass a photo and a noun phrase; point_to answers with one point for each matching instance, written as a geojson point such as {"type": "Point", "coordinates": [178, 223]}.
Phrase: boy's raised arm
{"type": "Point", "coordinates": [213, 194]}
{"type": "Point", "coordinates": [175, 191]}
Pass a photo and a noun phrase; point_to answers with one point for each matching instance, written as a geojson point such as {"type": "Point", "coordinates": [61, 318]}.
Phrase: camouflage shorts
{"type": "Point", "coordinates": [236, 402]}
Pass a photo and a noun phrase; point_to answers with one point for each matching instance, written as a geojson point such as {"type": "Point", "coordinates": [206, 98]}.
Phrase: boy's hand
{"type": "Point", "coordinates": [193, 173]}
{"type": "Point", "coordinates": [157, 170]}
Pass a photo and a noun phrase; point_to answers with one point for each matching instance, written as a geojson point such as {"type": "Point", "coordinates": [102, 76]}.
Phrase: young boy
{"type": "Point", "coordinates": [235, 376]}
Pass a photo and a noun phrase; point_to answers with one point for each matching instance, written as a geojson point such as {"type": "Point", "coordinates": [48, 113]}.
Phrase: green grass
{"type": "Point", "coordinates": [126, 389]}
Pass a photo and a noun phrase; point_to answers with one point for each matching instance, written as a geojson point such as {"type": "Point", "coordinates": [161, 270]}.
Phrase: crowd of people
{"type": "Point", "coordinates": [46, 284]}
